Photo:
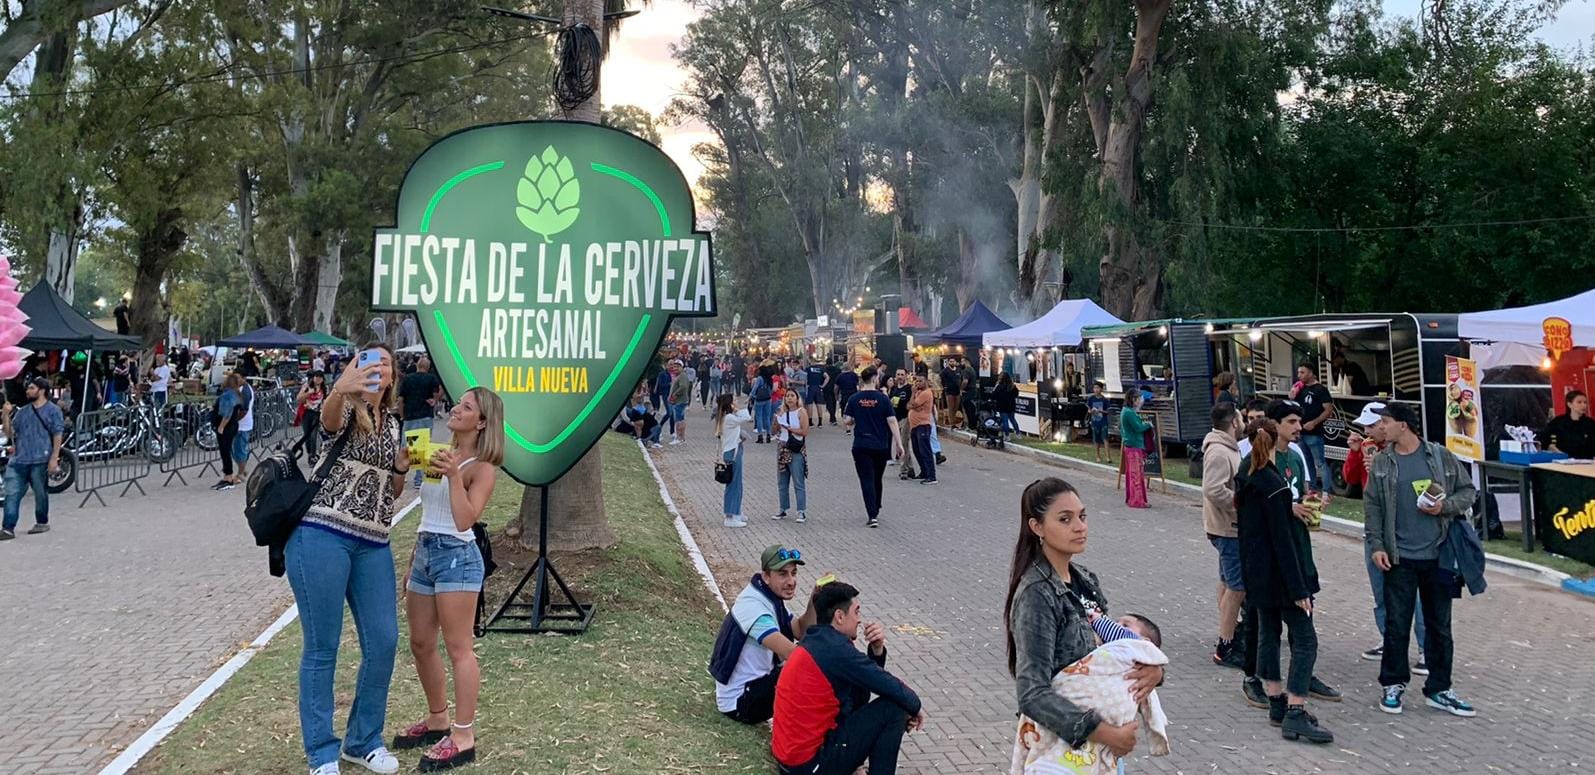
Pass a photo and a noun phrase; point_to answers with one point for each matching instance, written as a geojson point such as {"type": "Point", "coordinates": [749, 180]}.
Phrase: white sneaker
{"type": "Point", "coordinates": [891, 462]}
{"type": "Point", "coordinates": [330, 768]}
{"type": "Point", "coordinates": [735, 522]}
{"type": "Point", "coordinates": [379, 760]}
{"type": "Point", "coordinates": [802, 517]}
{"type": "Point", "coordinates": [657, 445]}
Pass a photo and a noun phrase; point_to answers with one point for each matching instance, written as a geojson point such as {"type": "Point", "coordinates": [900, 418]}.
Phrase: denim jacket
{"type": "Point", "coordinates": [1050, 631]}
{"type": "Point", "coordinates": [1379, 513]}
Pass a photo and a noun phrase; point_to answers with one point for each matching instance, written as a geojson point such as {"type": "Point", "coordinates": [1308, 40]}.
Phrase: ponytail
{"type": "Point", "coordinates": [1262, 433]}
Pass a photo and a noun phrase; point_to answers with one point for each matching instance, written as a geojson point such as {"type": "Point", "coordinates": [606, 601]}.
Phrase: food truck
{"type": "Point", "coordinates": [1173, 359]}
{"type": "Point", "coordinates": [1361, 358]}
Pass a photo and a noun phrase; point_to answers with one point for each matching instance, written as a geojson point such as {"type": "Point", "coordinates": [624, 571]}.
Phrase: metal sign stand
{"type": "Point", "coordinates": [542, 614]}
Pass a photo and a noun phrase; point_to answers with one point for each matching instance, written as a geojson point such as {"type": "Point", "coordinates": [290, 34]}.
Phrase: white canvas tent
{"type": "Point", "coordinates": [1526, 325]}
{"type": "Point", "coordinates": [1060, 327]}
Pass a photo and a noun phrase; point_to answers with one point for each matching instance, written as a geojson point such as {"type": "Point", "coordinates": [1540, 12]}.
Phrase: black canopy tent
{"type": "Point", "coordinates": [56, 326]}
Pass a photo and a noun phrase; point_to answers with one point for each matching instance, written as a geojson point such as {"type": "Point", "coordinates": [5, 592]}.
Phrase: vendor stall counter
{"type": "Point", "coordinates": [1564, 508]}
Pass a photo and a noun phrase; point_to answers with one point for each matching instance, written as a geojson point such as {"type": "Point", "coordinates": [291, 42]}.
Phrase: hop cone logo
{"type": "Point", "coordinates": [548, 194]}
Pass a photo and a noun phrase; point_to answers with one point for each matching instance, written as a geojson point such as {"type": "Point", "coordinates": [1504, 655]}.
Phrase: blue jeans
{"type": "Point", "coordinates": [1314, 447]}
{"type": "Point", "coordinates": [1009, 421]}
{"type": "Point", "coordinates": [159, 399]}
{"type": "Point", "coordinates": [763, 414]}
{"type": "Point", "coordinates": [325, 569]}
{"type": "Point", "coordinates": [1376, 580]}
{"type": "Point", "coordinates": [241, 447]}
{"type": "Point", "coordinates": [796, 473]}
{"type": "Point", "coordinates": [19, 477]}
{"type": "Point", "coordinates": [935, 440]}
{"type": "Point", "coordinates": [733, 496]}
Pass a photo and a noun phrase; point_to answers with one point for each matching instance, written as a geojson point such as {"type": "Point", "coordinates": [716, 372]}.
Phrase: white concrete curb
{"type": "Point", "coordinates": [682, 530]}
{"type": "Point", "coordinates": [1511, 566]}
{"type": "Point", "coordinates": [176, 716]}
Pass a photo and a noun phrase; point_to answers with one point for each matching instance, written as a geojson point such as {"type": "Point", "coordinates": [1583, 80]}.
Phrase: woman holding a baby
{"type": "Point", "coordinates": [1049, 612]}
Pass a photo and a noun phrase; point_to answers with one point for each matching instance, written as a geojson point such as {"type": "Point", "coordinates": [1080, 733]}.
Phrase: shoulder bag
{"type": "Point", "coordinates": [278, 495]}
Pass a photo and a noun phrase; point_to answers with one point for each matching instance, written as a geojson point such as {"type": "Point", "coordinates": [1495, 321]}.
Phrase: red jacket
{"type": "Point", "coordinates": [824, 681]}
{"type": "Point", "coordinates": [1355, 470]}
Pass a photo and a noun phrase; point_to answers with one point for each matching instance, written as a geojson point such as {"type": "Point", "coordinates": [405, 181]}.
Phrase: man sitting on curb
{"type": "Point", "coordinates": [757, 636]}
{"type": "Point", "coordinates": [825, 722]}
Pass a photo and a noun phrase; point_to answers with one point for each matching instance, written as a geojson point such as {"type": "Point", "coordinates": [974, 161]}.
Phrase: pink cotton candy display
{"type": "Point", "coordinates": [13, 334]}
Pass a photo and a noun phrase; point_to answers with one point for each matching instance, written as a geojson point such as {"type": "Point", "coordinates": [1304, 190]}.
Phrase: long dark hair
{"type": "Point", "coordinates": [1033, 505]}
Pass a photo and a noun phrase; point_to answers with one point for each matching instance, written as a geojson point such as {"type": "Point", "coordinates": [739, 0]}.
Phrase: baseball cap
{"type": "Point", "coordinates": [1370, 413]}
{"type": "Point", "coordinates": [40, 383]}
{"type": "Point", "coordinates": [776, 557]}
{"type": "Point", "coordinates": [1400, 413]}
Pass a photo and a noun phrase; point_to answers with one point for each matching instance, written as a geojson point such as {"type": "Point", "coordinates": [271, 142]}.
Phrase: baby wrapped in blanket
{"type": "Point", "coordinates": [1097, 682]}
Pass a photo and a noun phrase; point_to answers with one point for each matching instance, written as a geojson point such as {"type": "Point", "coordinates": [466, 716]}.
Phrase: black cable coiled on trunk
{"type": "Point", "coordinates": [576, 73]}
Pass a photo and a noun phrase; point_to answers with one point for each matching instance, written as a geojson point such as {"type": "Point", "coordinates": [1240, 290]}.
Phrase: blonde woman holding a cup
{"type": "Point", "coordinates": [446, 574]}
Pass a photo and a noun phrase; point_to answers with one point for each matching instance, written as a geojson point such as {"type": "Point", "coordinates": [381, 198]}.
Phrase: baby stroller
{"type": "Point", "coordinates": [988, 425]}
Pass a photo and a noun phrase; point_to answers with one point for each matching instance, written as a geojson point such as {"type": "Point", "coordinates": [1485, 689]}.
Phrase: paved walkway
{"type": "Point", "coordinates": [936, 573]}
{"type": "Point", "coordinates": [117, 613]}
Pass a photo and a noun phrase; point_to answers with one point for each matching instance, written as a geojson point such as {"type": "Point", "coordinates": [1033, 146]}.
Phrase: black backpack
{"type": "Point", "coordinates": [277, 494]}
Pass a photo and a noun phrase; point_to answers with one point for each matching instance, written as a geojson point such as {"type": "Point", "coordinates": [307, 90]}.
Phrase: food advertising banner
{"type": "Point", "coordinates": [1464, 434]}
{"type": "Point", "coordinates": [544, 260]}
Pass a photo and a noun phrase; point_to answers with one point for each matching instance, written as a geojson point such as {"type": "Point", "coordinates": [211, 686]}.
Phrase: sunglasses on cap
{"type": "Point", "coordinates": [788, 554]}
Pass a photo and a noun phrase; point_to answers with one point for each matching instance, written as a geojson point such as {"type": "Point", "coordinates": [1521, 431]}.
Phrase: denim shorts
{"type": "Point", "coordinates": [1099, 433]}
{"type": "Point", "coordinates": [241, 446]}
{"type": "Point", "coordinates": [1229, 561]}
{"type": "Point", "coordinates": [678, 412]}
{"type": "Point", "coordinates": [444, 563]}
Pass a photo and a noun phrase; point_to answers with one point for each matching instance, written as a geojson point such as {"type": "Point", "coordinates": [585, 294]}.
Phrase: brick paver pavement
{"type": "Point", "coordinates": [936, 573]}
{"type": "Point", "coordinates": [117, 613]}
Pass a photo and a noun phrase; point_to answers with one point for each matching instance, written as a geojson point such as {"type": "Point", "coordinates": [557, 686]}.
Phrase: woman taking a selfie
{"type": "Point", "coordinates": [340, 552]}
{"type": "Point", "coordinates": [446, 577]}
{"type": "Point", "coordinates": [791, 462]}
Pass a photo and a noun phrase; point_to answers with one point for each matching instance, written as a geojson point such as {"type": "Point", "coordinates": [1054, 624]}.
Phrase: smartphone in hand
{"type": "Point", "coordinates": [367, 358]}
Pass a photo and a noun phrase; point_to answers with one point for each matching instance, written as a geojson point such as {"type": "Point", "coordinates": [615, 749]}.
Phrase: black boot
{"type": "Point", "coordinates": [1276, 710]}
{"type": "Point", "coordinates": [1301, 725]}
{"type": "Point", "coordinates": [1252, 689]}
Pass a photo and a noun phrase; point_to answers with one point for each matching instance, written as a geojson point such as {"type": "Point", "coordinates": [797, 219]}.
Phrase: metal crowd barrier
{"type": "Point", "coordinates": [190, 419]}
{"type": "Point", "coordinates": [110, 446]}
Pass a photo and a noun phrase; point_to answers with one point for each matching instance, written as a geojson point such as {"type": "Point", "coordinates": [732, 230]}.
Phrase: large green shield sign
{"type": "Point", "coordinates": [545, 260]}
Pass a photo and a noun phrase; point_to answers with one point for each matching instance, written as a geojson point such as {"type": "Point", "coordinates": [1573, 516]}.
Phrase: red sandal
{"type": "Point", "coordinates": [446, 755]}
{"type": "Point", "coordinates": [418, 735]}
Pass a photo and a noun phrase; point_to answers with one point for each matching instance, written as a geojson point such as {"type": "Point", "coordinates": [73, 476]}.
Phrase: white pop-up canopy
{"type": "Point", "coordinates": [1060, 327]}
{"type": "Point", "coordinates": [1526, 325]}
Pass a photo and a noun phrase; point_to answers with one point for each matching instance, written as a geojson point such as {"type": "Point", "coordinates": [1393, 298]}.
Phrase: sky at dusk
{"type": "Point", "coordinates": [640, 70]}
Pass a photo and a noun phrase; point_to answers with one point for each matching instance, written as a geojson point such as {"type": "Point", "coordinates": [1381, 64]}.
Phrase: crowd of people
{"type": "Point", "coordinates": [1260, 482]}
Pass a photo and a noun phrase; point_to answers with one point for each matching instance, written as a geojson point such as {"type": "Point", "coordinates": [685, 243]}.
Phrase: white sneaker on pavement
{"type": "Point", "coordinates": [674, 442]}
{"type": "Point", "coordinates": [379, 760]}
{"type": "Point", "coordinates": [330, 768]}
{"type": "Point", "coordinates": [736, 522]}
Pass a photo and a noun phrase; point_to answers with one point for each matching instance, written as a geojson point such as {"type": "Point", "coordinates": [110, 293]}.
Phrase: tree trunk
{"type": "Point", "coordinates": [327, 288]}
{"type": "Point", "coordinates": [1131, 273]}
{"type": "Point", "coordinates": [41, 18]}
{"type": "Point", "coordinates": [968, 272]}
{"type": "Point", "coordinates": [158, 245]}
{"type": "Point", "coordinates": [52, 69]}
{"type": "Point", "coordinates": [272, 298]}
{"type": "Point", "coordinates": [576, 515]}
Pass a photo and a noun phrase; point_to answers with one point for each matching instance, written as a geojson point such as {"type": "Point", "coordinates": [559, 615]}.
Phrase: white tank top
{"type": "Point", "coordinates": [437, 512]}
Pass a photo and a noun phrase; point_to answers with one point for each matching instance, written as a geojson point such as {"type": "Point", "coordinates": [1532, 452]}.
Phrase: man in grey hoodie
{"type": "Point", "coordinates": [1221, 460]}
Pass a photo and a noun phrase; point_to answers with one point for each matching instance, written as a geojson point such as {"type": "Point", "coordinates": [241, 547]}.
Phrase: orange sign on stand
{"type": "Point", "coordinates": [1558, 336]}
